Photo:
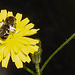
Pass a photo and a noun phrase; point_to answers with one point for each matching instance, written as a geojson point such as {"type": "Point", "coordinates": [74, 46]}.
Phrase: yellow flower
{"type": "Point", "coordinates": [17, 45]}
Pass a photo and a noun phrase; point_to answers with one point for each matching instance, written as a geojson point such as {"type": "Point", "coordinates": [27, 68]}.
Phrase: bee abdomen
{"type": "Point", "coordinates": [4, 31]}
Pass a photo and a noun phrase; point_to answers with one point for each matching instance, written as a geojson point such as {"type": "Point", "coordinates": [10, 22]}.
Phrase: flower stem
{"type": "Point", "coordinates": [29, 70]}
{"type": "Point", "coordinates": [37, 69]}
{"type": "Point", "coordinates": [36, 58]}
{"type": "Point", "coordinates": [56, 51]}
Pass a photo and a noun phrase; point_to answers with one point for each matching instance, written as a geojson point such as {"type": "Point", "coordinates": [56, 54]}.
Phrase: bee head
{"type": "Point", "coordinates": [10, 20]}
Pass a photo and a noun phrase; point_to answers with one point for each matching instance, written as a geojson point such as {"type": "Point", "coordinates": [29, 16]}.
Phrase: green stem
{"type": "Point", "coordinates": [56, 51]}
{"type": "Point", "coordinates": [37, 69]}
{"type": "Point", "coordinates": [29, 70]}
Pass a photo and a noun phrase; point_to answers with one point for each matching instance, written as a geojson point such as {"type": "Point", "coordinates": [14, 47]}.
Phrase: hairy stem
{"type": "Point", "coordinates": [37, 69]}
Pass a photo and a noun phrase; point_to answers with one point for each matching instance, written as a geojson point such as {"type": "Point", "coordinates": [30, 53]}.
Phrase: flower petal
{"type": "Point", "coordinates": [1, 52]}
{"type": "Point", "coordinates": [30, 49]}
{"type": "Point", "coordinates": [18, 62]}
{"type": "Point", "coordinates": [3, 14]}
{"type": "Point", "coordinates": [18, 26]}
{"type": "Point", "coordinates": [24, 50]}
{"type": "Point", "coordinates": [28, 59]}
{"type": "Point", "coordinates": [26, 40]}
{"type": "Point", "coordinates": [1, 55]}
{"type": "Point", "coordinates": [23, 57]}
{"type": "Point", "coordinates": [32, 32]}
{"type": "Point", "coordinates": [27, 32]}
{"type": "Point", "coordinates": [10, 13]}
{"type": "Point", "coordinates": [15, 47]}
{"type": "Point", "coordinates": [33, 49]}
{"type": "Point", "coordinates": [12, 55]}
{"type": "Point", "coordinates": [18, 17]}
{"type": "Point", "coordinates": [6, 51]}
{"type": "Point", "coordinates": [29, 26]}
{"type": "Point", "coordinates": [0, 19]}
{"type": "Point", "coordinates": [24, 22]}
{"type": "Point", "coordinates": [5, 61]}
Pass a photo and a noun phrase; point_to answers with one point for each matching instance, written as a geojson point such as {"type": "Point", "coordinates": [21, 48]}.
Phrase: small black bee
{"type": "Point", "coordinates": [5, 28]}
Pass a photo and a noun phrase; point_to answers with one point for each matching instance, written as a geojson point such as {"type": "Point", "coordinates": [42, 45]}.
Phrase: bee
{"type": "Point", "coordinates": [6, 26]}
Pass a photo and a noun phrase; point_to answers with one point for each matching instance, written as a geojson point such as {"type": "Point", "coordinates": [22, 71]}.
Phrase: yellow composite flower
{"type": "Point", "coordinates": [18, 45]}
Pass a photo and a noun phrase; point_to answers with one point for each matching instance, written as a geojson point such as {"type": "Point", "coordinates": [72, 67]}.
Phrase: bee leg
{"type": "Point", "coordinates": [7, 32]}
